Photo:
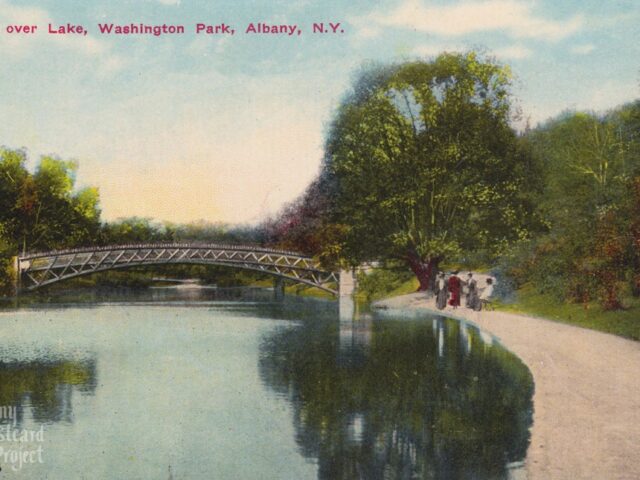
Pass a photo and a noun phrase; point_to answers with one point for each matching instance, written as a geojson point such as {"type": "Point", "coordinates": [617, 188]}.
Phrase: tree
{"type": "Point", "coordinates": [590, 204]}
{"type": "Point", "coordinates": [13, 179]}
{"type": "Point", "coordinates": [135, 230]}
{"type": "Point", "coordinates": [634, 253]}
{"type": "Point", "coordinates": [426, 164]}
{"type": "Point", "coordinates": [52, 214]}
{"type": "Point", "coordinates": [304, 225]}
{"type": "Point", "coordinates": [42, 210]}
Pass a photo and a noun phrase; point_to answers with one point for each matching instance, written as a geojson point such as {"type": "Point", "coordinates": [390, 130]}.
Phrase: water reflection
{"type": "Point", "coordinates": [401, 399]}
{"type": "Point", "coordinates": [43, 389]}
{"type": "Point", "coordinates": [182, 294]}
{"type": "Point", "coordinates": [201, 390]}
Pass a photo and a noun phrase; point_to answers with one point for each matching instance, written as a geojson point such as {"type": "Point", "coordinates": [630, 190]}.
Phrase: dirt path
{"type": "Point", "coordinates": [586, 421]}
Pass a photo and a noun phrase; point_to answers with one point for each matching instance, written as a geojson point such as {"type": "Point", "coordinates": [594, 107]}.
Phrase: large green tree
{"type": "Point", "coordinates": [42, 210]}
{"type": "Point", "coordinates": [426, 164]}
{"type": "Point", "coordinates": [62, 216]}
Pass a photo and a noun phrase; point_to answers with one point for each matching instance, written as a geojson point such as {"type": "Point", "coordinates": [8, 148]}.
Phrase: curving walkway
{"type": "Point", "coordinates": [586, 422]}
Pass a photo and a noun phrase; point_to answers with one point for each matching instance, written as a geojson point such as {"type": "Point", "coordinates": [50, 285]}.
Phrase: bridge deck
{"type": "Point", "coordinates": [40, 269]}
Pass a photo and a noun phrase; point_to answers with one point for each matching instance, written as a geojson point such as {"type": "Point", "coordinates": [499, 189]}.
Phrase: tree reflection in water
{"type": "Point", "coordinates": [46, 386]}
{"type": "Point", "coordinates": [388, 399]}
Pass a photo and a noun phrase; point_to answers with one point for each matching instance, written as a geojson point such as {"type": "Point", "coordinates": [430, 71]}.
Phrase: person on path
{"type": "Point", "coordinates": [472, 300]}
{"type": "Point", "coordinates": [455, 288]}
{"type": "Point", "coordinates": [485, 296]}
{"type": "Point", "coordinates": [441, 291]}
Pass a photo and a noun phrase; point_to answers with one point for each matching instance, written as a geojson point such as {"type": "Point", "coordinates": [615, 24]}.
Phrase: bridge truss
{"type": "Point", "coordinates": [40, 269]}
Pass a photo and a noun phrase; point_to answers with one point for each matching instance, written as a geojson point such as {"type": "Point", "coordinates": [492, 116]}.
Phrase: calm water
{"type": "Point", "coordinates": [189, 386]}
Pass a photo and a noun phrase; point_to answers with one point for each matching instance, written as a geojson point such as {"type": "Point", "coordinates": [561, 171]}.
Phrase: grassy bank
{"type": "Point", "coordinates": [380, 284]}
{"type": "Point", "coordinates": [307, 291]}
{"type": "Point", "coordinates": [625, 323]}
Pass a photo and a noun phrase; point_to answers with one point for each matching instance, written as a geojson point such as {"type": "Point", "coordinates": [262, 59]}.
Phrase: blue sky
{"type": "Point", "coordinates": [220, 128]}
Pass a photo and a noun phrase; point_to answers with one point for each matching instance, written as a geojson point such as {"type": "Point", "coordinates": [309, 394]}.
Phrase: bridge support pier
{"type": "Point", "coordinates": [347, 293]}
{"type": "Point", "coordinates": [15, 272]}
{"type": "Point", "coordinates": [278, 289]}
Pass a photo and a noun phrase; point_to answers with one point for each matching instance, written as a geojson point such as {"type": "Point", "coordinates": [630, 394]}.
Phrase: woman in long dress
{"type": "Point", "coordinates": [455, 287]}
{"type": "Point", "coordinates": [441, 291]}
{"type": "Point", "coordinates": [472, 299]}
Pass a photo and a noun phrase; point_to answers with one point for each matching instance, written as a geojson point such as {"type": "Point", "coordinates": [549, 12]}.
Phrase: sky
{"type": "Point", "coordinates": [225, 128]}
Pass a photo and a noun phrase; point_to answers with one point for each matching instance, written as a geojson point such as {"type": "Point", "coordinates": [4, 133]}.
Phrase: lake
{"type": "Point", "coordinates": [195, 384]}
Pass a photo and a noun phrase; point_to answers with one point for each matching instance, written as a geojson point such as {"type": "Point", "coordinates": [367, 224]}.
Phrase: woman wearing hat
{"type": "Point", "coordinates": [472, 300]}
{"type": "Point", "coordinates": [441, 291]}
{"type": "Point", "coordinates": [455, 288]}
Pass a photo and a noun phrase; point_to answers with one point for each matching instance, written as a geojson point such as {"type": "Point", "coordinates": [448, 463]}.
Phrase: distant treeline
{"type": "Point", "coordinates": [42, 210]}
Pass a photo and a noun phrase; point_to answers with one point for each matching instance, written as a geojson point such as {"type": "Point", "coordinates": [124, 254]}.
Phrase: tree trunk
{"type": "Point", "coordinates": [635, 260]}
{"type": "Point", "coordinates": [635, 285]}
{"type": "Point", "coordinates": [425, 272]}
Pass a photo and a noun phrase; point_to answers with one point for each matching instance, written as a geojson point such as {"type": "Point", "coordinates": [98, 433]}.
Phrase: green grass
{"type": "Point", "coordinates": [409, 286]}
{"type": "Point", "coordinates": [625, 323]}
{"type": "Point", "coordinates": [296, 289]}
{"type": "Point", "coordinates": [308, 291]}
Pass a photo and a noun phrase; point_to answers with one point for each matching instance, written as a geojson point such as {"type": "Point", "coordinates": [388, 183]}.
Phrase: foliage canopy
{"type": "Point", "coordinates": [426, 164]}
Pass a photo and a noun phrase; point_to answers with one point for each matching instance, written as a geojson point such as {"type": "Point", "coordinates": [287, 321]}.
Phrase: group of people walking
{"type": "Point", "coordinates": [451, 289]}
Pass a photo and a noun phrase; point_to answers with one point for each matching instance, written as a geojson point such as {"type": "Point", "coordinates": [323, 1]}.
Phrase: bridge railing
{"type": "Point", "coordinates": [129, 246]}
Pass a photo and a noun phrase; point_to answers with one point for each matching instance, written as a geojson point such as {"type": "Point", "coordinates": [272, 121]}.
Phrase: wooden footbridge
{"type": "Point", "coordinates": [35, 270]}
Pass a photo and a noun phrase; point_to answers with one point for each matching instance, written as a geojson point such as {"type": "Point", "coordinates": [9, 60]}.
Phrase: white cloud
{"type": "Point", "coordinates": [433, 49]}
{"type": "Point", "coordinates": [222, 44]}
{"type": "Point", "coordinates": [22, 15]}
{"type": "Point", "coordinates": [112, 64]}
{"type": "Point", "coordinates": [584, 49]}
{"type": "Point", "coordinates": [19, 45]}
{"type": "Point", "coordinates": [513, 52]}
{"type": "Point", "coordinates": [84, 45]}
{"type": "Point", "coordinates": [299, 5]}
{"type": "Point", "coordinates": [586, 96]}
{"type": "Point", "coordinates": [200, 46]}
{"type": "Point", "coordinates": [209, 45]}
{"type": "Point", "coordinates": [609, 95]}
{"type": "Point", "coordinates": [514, 17]}
{"type": "Point", "coordinates": [365, 28]}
